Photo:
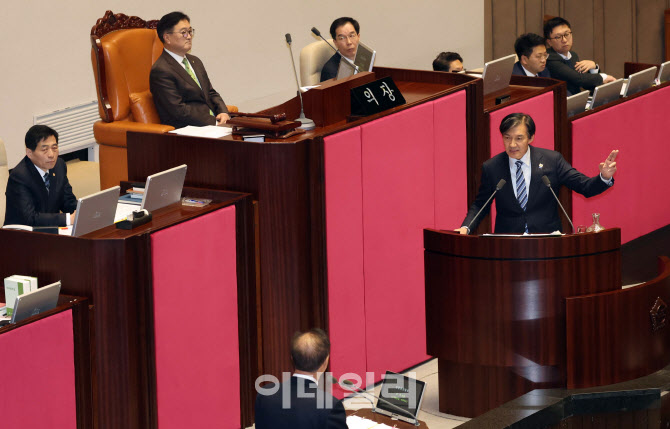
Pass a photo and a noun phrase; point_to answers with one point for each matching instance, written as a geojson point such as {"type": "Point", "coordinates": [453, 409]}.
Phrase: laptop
{"type": "Point", "coordinates": [606, 93]}
{"type": "Point", "coordinates": [497, 73]}
{"type": "Point", "coordinates": [35, 302]}
{"type": "Point", "coordinates": [663, 73]}
{"type": "Point", "coordinates": [164, 188]}
{"type": "Point", "coordinates": [95, 211]}
{"type": "Point", "coordinates": [364, 59]}
{"type": "Point", "coordinates": [640, 81]}
{"type": "Point", "coordinates": [577, 103]}
{"type": "Point", "coordinates": [404, 393]}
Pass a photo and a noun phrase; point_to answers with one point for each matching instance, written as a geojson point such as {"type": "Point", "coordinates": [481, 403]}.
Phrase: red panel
{"type": "Point", "coordinates": [639, 128]}
{"type": "Point", "coordinates": [541, 109]}
{"type": "Point", "coordinates": [344, 232]}
{"type": "Point", "coordinates": [37, 362]}
{"type": "Point", "coordinates": [398, 203]}
{"type": "Point", "coordinates": [195, 314]}
{"type": "Point", "coordinates": [451, 168]}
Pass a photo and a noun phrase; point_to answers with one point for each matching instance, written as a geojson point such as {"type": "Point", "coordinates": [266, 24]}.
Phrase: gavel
{"type": "Point", "coordinates": [273, 118]}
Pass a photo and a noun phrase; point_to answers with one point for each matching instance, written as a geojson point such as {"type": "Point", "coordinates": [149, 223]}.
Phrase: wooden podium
{"type": "Point", "coordinates": [495, 310]}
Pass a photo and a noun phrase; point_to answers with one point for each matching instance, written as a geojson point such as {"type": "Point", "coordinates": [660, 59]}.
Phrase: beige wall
{"type": "Point", "coordinates": [610, 32]}
{"type": "Point", "coordinates": [45, 46]}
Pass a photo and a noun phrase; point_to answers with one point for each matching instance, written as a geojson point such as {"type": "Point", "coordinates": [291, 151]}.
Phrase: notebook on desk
{"type": "Point", "coordinates": [497, 73]}
{"type": "Point", "coordinates": [364, 60]}
{"type": "Point", "coordinates": [640, 81]}
{"type": "Point", "coordinates": [606, 93]}
{"type": "Point", "coordinates": [663, 73]}
{"type": "Point", "coordinates": [164, 188]}
{"type": "Point", "coordinates": [95, 211]}
{"type": "Point", "coordinates": [36, 302]}
{"type": "Point", "coordinates": [577, 103]}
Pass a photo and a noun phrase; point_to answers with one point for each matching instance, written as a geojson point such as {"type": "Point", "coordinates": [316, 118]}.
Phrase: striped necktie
{"type": "Point", "coordinates": [47, 182]}
{"type": "Point", "coordinates": [190, 72]}
{"type": "Point", "coordinates": [521, 194]}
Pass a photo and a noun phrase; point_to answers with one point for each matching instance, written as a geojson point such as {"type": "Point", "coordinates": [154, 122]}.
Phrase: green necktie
{"type": "Point", "coordinates": [187, 66]}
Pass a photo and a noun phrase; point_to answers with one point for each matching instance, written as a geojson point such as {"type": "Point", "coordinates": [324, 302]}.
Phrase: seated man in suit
{"type": "Point", "coordinates": [525, 204]}
{"type": "Point", "coordinates": [300, 403]}
{"type": "Point", "coordinates": [181, 89]}
{"type": "Point", "coordinates": [532, 54]}
{"type": "Point", "coordinates": [448, 62]}
{"type": "Point", "coordinates": [564, 64]}
{"type": "Point", "coordinates": [38, 192]}
{"type": "Point", "coordinates": [345, 32]}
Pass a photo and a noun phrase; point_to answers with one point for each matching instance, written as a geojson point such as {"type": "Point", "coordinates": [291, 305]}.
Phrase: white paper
{"type": "Point", "coordinates": [211, 131]}
{"type": "Point", "coordinates": [123, 210]}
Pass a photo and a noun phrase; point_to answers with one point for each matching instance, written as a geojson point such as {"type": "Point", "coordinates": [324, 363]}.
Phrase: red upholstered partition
{"type": "Point", "coordinates": [385, 182]}
{"type": "Point", "coordinates": [37, 364]}
{"type": "Point", "coordinates": [344, 231]}
{"type": "Point", "coordinates": [195, 316]}
{"type": "Point", "coordinates": [541, 109]}
{"type": "Point", "coordinates": [639, 128]}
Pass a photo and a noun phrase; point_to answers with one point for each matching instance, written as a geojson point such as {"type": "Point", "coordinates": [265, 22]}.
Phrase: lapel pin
{"type": "Point", "coordinates": [540, 165]}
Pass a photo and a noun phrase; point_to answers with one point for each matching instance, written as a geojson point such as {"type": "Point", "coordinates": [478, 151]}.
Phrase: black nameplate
{"type": "Point", "coordinates": [375, 97]}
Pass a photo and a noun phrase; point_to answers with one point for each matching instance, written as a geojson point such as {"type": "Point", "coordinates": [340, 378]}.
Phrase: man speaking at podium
{"type": "Point", "coordinates": [181, 89]}
{"type": "Point", "coordinates": [526, 204]}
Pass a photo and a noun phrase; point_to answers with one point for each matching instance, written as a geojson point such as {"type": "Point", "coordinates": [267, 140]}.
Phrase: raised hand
{"type": "Point", "coordinates": [608, 168]}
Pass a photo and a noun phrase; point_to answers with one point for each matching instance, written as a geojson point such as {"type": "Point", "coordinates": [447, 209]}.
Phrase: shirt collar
{"type": "Point", "coordinates": [177, 57]}
{"type": "Point", "coordinates": [306, 377]}
{"type": "Point", "coordinates": [525, 159]}
{"type": "Point", "coordinates": [528, 73]}
{"type": "Point", "coordinates": [565, 57]}
{"type": "Point", "coordinates": [40, 171]}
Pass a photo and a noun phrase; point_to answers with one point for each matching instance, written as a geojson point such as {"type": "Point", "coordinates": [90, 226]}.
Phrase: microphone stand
{"type": "Point", "coordinates": [306, 123]}
{"type": "Point", "coordinates": [347, 61]}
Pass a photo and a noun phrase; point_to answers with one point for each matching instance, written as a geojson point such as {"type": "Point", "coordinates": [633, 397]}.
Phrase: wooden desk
{"type": "Point", "coordinates": [495, 310]}
{"type": "Point", "coordinates": [123, 274]}
{"type": "Point", "coordinates": [45, 363]}
{"type": "Point", "coordinates": [383, 178]}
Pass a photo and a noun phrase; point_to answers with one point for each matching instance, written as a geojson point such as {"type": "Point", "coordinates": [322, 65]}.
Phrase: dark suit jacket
{"type": "Point", "coordinates": [541, 213]}
{"type": "Point", "coordinates": [565, 70]}
{"type": "Point", "coordinates": [518, 70]}
{"type": "Point", "coordinates": [329, 69]}
{"type": "Point", "coordinates": [28, 202]}
{"type": "Point", "coordinates": [178, 98]}
{"type": "Point", "coordinates": [316, 409]}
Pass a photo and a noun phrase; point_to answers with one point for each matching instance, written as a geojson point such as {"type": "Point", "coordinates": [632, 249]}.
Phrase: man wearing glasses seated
{"type": "Point", "coordinates": [532, 54]}
{"type": "Point", "coordinates": [564, 64]}
{"type": "Point", "coordinates": [181, 90]}
{"type": "Point", "coordinates": [346, 34]}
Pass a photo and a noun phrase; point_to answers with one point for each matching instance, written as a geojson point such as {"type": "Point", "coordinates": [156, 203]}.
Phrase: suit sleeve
{"type": "Point", "coordinates": [486, 188]}
{"type": "Point", "coordinates": [21, 198]}
{"type": "Point", "coordinates": [561, 70]}
{"type": "Point", "coordinates": [166, 93]}
{"type": "Point", "coordinates": [578, 182]}
{"type": "Point", "coordinates": [338, 417]}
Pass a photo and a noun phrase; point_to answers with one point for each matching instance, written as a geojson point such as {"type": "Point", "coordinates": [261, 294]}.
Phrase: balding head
{"type": "Point", "coordinates": [310, 350]}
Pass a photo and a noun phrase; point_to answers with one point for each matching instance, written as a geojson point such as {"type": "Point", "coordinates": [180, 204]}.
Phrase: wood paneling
{"type": "Point", "coordinates": [610, 32]}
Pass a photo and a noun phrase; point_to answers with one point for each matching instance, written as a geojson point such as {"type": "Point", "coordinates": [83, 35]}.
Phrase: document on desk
{"type": "Point", "coordinates": [210, 131]}
{"type": "Point", "coordinates": [123, 210]}
{"type": "Point", "coordinates": [356, 422]}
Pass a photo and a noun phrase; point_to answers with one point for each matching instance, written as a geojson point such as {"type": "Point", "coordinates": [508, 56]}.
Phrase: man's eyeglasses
{"type": "Point", "coordinates": [185, 33]}
{"type": "Point", "coordinates": [558, 37]}
{"type": "Point", "coordinates": [342, 37]}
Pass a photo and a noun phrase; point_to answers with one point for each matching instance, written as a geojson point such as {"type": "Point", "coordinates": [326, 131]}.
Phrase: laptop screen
{"type": "Point", "coordinates": [403, 392]}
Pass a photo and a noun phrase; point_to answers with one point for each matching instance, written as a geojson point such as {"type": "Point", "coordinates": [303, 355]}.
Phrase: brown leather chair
{"type": "Point", "coordinates": [123, 50]}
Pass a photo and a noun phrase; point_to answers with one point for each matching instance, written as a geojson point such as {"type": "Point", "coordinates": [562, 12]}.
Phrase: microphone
{"type": "Point", "coordinates": [498, 187]}
{"type": "Point", "coordinates": [358, 391]}
{"type": "Point", "coordinates": [305, 122]}
{"type": "Point", "coordinates": [347, 60]}
{"type": "Point", "coordinates": [546, 181]}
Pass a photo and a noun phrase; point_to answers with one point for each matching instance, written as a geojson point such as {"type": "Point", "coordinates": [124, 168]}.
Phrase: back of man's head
{"type": "Point", "coordinates": [443, 61]}
{"type": "Point", "coordinates": [37, 133]}
{"type": "Point", "coordinates": [167, 22]}
{"type": "Point", "coordinates": [339, 22]}
{"type": "Point", "coordinates": [525, 44]}
{"type": "Point", "coordinates": [310, 349]}
{"type": "Point", "coordinates": [553, 23]}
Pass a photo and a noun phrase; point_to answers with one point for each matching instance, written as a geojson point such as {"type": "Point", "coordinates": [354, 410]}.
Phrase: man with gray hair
{"type": "Point", "coordinates": [301, 402]}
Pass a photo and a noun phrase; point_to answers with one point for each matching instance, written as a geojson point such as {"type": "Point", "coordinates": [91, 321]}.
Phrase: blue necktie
{"type": "Point", "coordinates": [521, 194]}
{"type": "Point", "coordinates": [47, 183]}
